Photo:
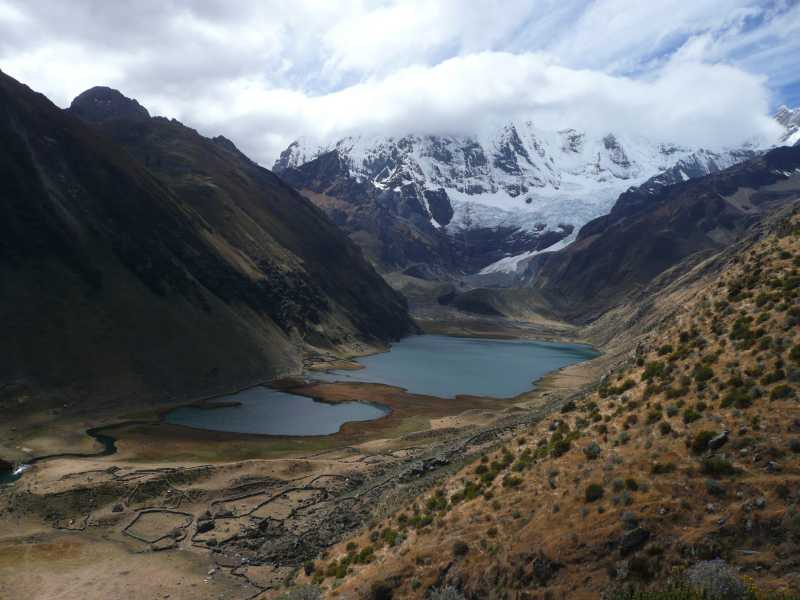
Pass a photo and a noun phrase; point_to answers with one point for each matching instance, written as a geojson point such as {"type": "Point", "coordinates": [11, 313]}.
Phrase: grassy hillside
{"type": "Point", "coordinates": [687, 452]}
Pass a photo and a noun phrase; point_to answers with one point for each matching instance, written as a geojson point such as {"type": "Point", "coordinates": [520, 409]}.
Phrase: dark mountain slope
{"type": "Point", "coordinates": [115, 287]}
{"type": "Point", "coordinates": [259, 217]}
{"type": "Point", "coordinates": [650, 230]}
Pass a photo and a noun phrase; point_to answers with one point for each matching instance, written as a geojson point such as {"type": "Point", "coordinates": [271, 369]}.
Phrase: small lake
{"type": "Point", "coordinates": [270, 412]}
{"type": "Point", "coordinates": [446, 366]}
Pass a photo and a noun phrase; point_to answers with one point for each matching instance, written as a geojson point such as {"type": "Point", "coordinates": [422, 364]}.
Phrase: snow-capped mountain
{"type": "Point", "coordinates": [519, 177]}
{"type": "Point", "coordinates": [790, 119]}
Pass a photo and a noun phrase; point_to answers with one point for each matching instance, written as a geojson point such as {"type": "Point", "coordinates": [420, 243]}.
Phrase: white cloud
{"type": "Point", "coordinates": [263, 73]}
{"type": "Point", "coordinates": [685, 102]}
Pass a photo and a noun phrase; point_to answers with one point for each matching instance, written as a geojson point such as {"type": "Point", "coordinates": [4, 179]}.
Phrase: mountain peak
{"type": "Point", "coordinates": [101, 103]}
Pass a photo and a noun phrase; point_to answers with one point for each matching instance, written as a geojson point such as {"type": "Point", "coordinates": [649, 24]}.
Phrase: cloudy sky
{"type": "Point", "coordinates": [704, 72]}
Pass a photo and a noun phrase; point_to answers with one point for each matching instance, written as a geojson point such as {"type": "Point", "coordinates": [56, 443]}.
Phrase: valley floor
{"type": "Point", "coordinates": [182, 513]}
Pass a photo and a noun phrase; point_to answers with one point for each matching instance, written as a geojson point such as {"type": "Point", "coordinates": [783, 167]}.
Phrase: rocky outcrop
{"type": "Point", "coordinates": [716, 580]}
{"type": "Point", "coordinates": [790, 120]}
{"type": "Point", "coordinates": [100, 104]}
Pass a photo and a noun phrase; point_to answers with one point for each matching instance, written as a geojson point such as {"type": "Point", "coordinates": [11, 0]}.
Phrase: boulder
{"type": "Point", "coordinates": [718, 441]}
{"type": "Point", "coordinates": [204, 526]}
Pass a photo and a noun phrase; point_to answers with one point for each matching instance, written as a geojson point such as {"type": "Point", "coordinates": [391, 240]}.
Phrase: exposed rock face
{"type": "Point", "coordinates": [790, 120]}
{"type": "Point", "coordinates": [716, 580]}
{"type": "Point", "coordinates": [653, 228]}
{"type": "Point", "coordinates": [139, 260]}
{"type": "Point", "coordinates": [517, 190]}
{"type": "Point", "coordinates": [103, 103]}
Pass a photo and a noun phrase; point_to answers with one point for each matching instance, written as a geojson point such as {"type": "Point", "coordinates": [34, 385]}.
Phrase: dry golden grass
{"type": "Point", "coordinates": [622, 488]}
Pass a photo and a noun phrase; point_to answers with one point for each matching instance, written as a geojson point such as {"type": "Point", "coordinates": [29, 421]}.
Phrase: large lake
{"type": "Point", "coordinates": [448, 366]}
{"type": "Point", "coordinates": [426, 364]}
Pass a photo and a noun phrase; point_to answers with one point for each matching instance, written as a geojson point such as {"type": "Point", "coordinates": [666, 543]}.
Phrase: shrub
{"type": "Point", "coordinates": [460, 549]}
{"type": "Point", "coordinates": [560, 447]}
{"type": "Point", "coordinates": [366, 556]}
{"type": "Point", "coordinates": [700, 441]}
{"type": "Point", "coordinates": [773, 377]}
{"type": "Point", "coordinates": [662, 468]}
{"type": "Point", "coordinates": [690, 415]}
{"type": "Point", "coordinates": [653, 369]}
{"type": "Point", "coordinates": [389, 536]}
{"type": "Point", "coordinates": [738, 397]}
{"type": "Point", "coordinates": [592, 451]}
{"type": "Point", "coordinates": [794, 354]}
{"type": "Point", "coordinates": [780, 392]}
{"type": "Point", "coordinates": [718, 467]}
{"type": "Point", "coordinates": [653, 417]}
{"type": "Point", "coordinates": [665, 428]}
{"type": "Point", "coordinates": [702, 373]}
{"type": "Point", "coordinates": [594, 491]}
{"type": "Point", "coordinates": [381, 590]}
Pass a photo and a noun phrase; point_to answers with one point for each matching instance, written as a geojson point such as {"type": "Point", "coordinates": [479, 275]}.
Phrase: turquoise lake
{"type": "Point", "coordinates": [426, 364]}
{"type": "Point", "coordinates": [269, 412]}
{"type": "Point", "coordinates": [448, 366]}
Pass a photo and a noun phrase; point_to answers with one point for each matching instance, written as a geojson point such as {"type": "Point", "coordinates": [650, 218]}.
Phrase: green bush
{"type": "Point", "coordinates": [594, 491]}
{"type": "Point", "coordinates": [702, 373]}
{"type": "Point", "coordinates": [739, 397]}
{"type": "Point", "coordinates": [662, 468]}
{"type": "Point", "coordinates": [690, 415]}
{"type": "Point", "coordinates": [794, 354]}
{"type": "Point", "coordinates": [780, 392]}
{"type": "Point", "coordinates": [718, 467]}
{"type": "Point", "coordinates": [652, 370]}
{"type": "Point", "coordinates": [773, 377]}
{"type": "Point", "coordinates": [560, 447]}
{"type": "Point", "coordinates": [389, 536]}
{"type": "Point", "coordinates": [460, 549]}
